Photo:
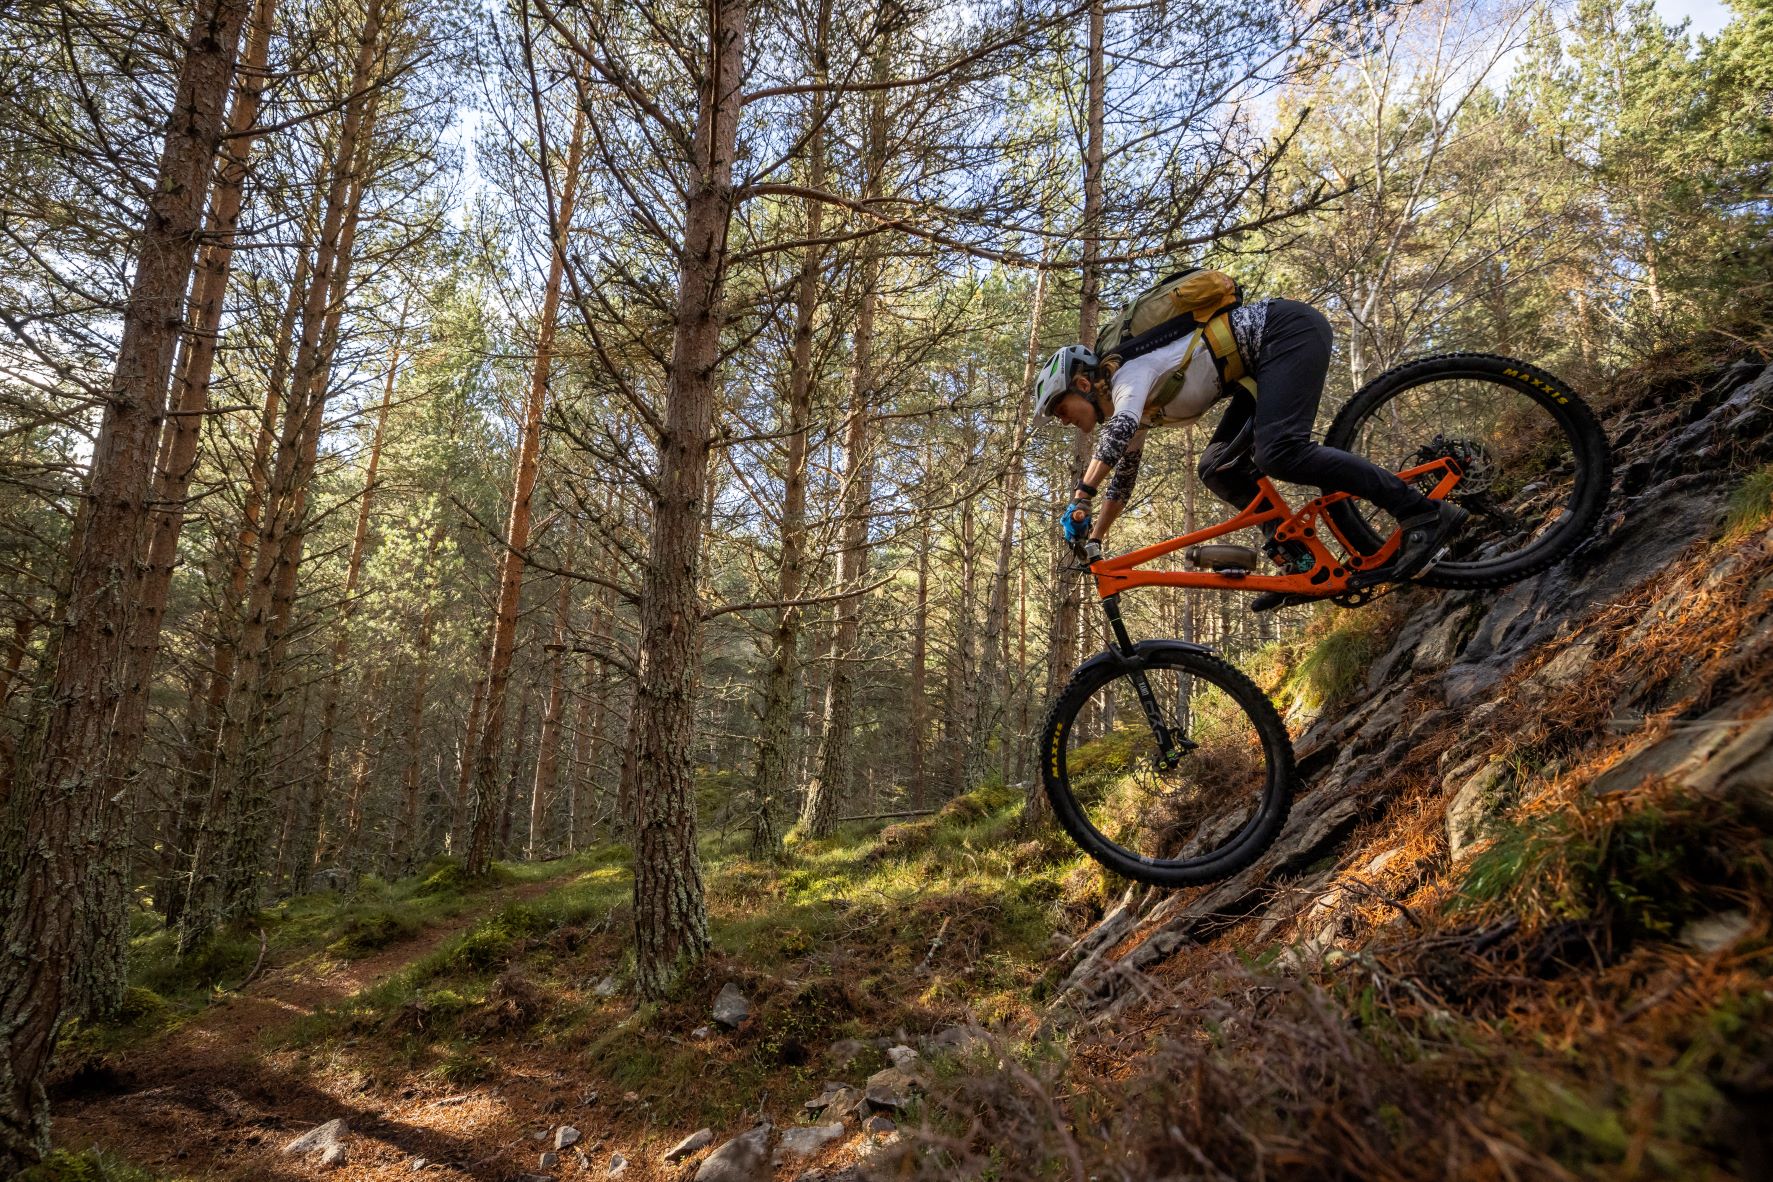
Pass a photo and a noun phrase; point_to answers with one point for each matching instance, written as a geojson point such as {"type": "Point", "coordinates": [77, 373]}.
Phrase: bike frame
{"type": "Point", "coordinates": [1328, 576]}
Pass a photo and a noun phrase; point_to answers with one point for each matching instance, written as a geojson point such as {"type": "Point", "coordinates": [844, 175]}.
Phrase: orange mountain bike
{"type": "Point", "coordinates": [1165, 762]}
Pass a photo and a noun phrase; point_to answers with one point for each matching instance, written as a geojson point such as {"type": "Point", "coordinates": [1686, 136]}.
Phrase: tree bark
{"type": "Point", "coordinates": [993, 697]}
{"type": "Point", "coordinates": [818, 815]}
{"type": "Point", "coordinates": [548, 752]}
{"type": "Point", "coordinates": [226, 862]}
{"type": "Point", "coordinates": [61, 850]}
{"type": "Point", "coordinates": [776, 730]}
{"type": "Point", "coordinates": [670, 914]}
{"type": "Point", "coordinates": [511, 560]}
{"type": "Point", "coordinates": [1062, 649]}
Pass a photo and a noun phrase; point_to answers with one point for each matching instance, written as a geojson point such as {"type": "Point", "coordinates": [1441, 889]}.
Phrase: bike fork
{"type": "Point", "coordinates": [1169, 753]}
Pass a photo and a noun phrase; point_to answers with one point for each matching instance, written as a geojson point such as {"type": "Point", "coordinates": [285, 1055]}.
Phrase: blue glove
{"type": "Point", "coordinates": [1077, 527]}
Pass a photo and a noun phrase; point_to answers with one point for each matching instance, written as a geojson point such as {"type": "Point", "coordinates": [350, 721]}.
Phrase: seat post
{"type": "Point", "coordinates": [1122, 641]}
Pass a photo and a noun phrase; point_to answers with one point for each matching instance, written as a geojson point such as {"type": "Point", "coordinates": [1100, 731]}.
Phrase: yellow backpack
{"type": "Point", "coordinates": [1180, 303]}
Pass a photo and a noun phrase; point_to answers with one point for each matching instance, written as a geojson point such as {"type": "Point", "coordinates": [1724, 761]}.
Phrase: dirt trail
{"type": "Point", "coordinates": [210, 1100]}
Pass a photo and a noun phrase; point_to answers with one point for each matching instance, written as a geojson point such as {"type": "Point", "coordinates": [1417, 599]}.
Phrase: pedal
{"type": "Point", "coordinates": [1222, 558]}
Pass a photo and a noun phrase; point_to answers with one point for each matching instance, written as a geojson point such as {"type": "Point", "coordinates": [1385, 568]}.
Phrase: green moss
{"type": "Point", "coordinates": [449, 877]}
{"type": "Point", "coordinates": [364, 934]}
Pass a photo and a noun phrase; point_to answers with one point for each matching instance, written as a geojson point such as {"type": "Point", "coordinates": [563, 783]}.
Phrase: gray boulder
{"type": "Point", "coordinates": [690, 1144]}
{"type": "Point", "coordinates": [730, 1006]}
{"type": "Point", "coordinates": [1478, 799]}
{"type": "Point", "coordinates": [745, 1158]}
{"type": "Point", "coordinates": [806, 1140]}
{"type": "Point", "coordinates": [326, 1141]}
{"type": "Point", "coordinates": [890, 1087]}
{"type": "Point", "coordinates": [333, 878]}
{"type": "Point", "coordinates": [843, 1052]}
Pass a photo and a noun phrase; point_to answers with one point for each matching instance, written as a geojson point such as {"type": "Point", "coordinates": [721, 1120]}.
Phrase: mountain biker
{"type": "Point", "coordinates": [1182, 347]}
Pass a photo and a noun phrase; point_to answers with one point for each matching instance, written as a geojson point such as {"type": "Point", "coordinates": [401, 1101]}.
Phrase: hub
{"type": "Point", "coordinates": [1477, 470]}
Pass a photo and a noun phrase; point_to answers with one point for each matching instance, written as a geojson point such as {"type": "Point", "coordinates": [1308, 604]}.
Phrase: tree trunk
{"type": "Point", "coordinates": [818, 816]}
{"type": "Point", "coordinates": [178, 444]}
{"type": "Point", "coordinates": [992, 696]}
{"type": "Point", "coordinates": [1062, 650]}
{"type": "Point", "coordinates": [341, 649]}
{"type": "Point", "coordinates": [459, 814]}
{"type": "Point", "coordinates": [587, 740]}
{"type": "Point", "coordinates": [225, 865]}
{"type": "Point", "coordinates": [670, 914]}
{"type": "Point", "coordinates": [198, 767]}
{"type": "Point", "coordinates": [511, 561]}
{"type": "Point", "coordinates": [920, 655]}
{"type": "Point", "coordinates": [61, 853]}
{"type": "Point", "coordinates": [776, 730]}
{"type": "Point", "coordinates": [548, 753]}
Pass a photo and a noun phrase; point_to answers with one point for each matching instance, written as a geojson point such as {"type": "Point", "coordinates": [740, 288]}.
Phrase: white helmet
{"type": "Point", "coordinates": [1055, 377]}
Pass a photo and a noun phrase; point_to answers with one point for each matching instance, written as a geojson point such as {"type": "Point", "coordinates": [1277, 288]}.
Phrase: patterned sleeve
{"type": "Point", "coordinates": [1120, 485]}
{"type": "Point", "coordinates": [1116, 434]}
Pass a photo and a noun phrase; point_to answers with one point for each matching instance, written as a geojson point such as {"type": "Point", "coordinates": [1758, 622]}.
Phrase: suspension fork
{"type": "Point", "coordinates": [1170, 747]}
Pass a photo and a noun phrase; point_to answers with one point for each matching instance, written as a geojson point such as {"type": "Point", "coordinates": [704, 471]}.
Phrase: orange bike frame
{"type": "Point", "coordinates": [1328, 576]}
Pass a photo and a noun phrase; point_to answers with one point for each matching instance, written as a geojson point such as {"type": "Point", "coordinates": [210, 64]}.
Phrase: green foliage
{"type": "Point", "coordinates": [1333, 661]}
{"type": "Point", "coordinates": [1641, 871]}
{"type": "Point", "coordinates": [59, 1165]}
{"type": "Point", "coordinates": [449, 877]}
{"type": "Point", "coordinates": [1750, 504]}
{"type": "Point", "coordinates": [371, 932]}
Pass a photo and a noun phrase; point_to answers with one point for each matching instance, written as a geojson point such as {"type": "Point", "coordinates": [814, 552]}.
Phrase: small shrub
{"type": "Point", "coordinates": [141, 1007]}
{"type": "Point", "coordinates": [513, 1003]}
{"type": "Point", "coordinates": [449, 878]}
{"type": "Point", "coordinates": [364, 934]}
{"type": "Point", "coordinates": [429, 1011]}
{"type": "Point", "coordinates": [793, 942]}
{"type": "Point", "coordinates": [91, 1166]}
{"type": "Point", "coordinates": [480, 951]}
{"type": "Point", "coordinates": [463, 1066]}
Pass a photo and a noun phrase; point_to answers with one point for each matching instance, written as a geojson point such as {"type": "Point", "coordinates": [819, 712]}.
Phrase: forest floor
{"type": "Point", "coordinates": [465, 1044]}
{"type": "Point", "coordinates": [1519, 926]}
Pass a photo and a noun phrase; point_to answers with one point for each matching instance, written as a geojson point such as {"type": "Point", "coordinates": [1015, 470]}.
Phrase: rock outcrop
{"type": "Point", "coordinates": [1468, 672]}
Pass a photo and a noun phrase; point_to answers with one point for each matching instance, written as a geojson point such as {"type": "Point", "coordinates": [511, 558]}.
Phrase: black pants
{"type": "Point", "coordinates": [1289, 373]}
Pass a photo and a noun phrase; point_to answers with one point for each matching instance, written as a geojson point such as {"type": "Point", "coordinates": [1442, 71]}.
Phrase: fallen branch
{"type": "Point", "coordinates": [256, 966]}
{"type": "Point", "coordinates": [889, 816]}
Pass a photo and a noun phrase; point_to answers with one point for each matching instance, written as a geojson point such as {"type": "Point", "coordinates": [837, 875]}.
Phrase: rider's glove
{"type": "Point", "coordinates": [1076, 520]}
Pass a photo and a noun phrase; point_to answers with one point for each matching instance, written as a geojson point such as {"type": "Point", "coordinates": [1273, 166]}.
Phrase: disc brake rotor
{"type": "Point", "coordinates": [1477, 471]}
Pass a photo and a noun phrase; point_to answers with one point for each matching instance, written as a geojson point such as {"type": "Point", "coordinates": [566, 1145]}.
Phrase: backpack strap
{"type": "Point", "coordinates": [1162, 397]}
{"type": "Point", "coordinates": [1216, 334]}
{"type": "Point", "coordinates": [1219, 338]}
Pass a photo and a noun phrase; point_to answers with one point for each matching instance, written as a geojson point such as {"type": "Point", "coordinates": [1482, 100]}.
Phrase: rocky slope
{"type": "Point", "coordinates": [1516, 925]}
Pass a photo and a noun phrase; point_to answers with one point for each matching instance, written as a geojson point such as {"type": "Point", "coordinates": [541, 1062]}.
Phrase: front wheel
{"type": "Point", "coordinates": [1535, 466]}
{"type": "Point", "coordinates": [1186, 783]}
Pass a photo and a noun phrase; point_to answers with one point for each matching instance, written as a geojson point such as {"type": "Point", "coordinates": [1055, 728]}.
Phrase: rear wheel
{"type": "Point", "coordinates": [1535, 464]}
{"type": "Point", "coordinates": [1196, 803]}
